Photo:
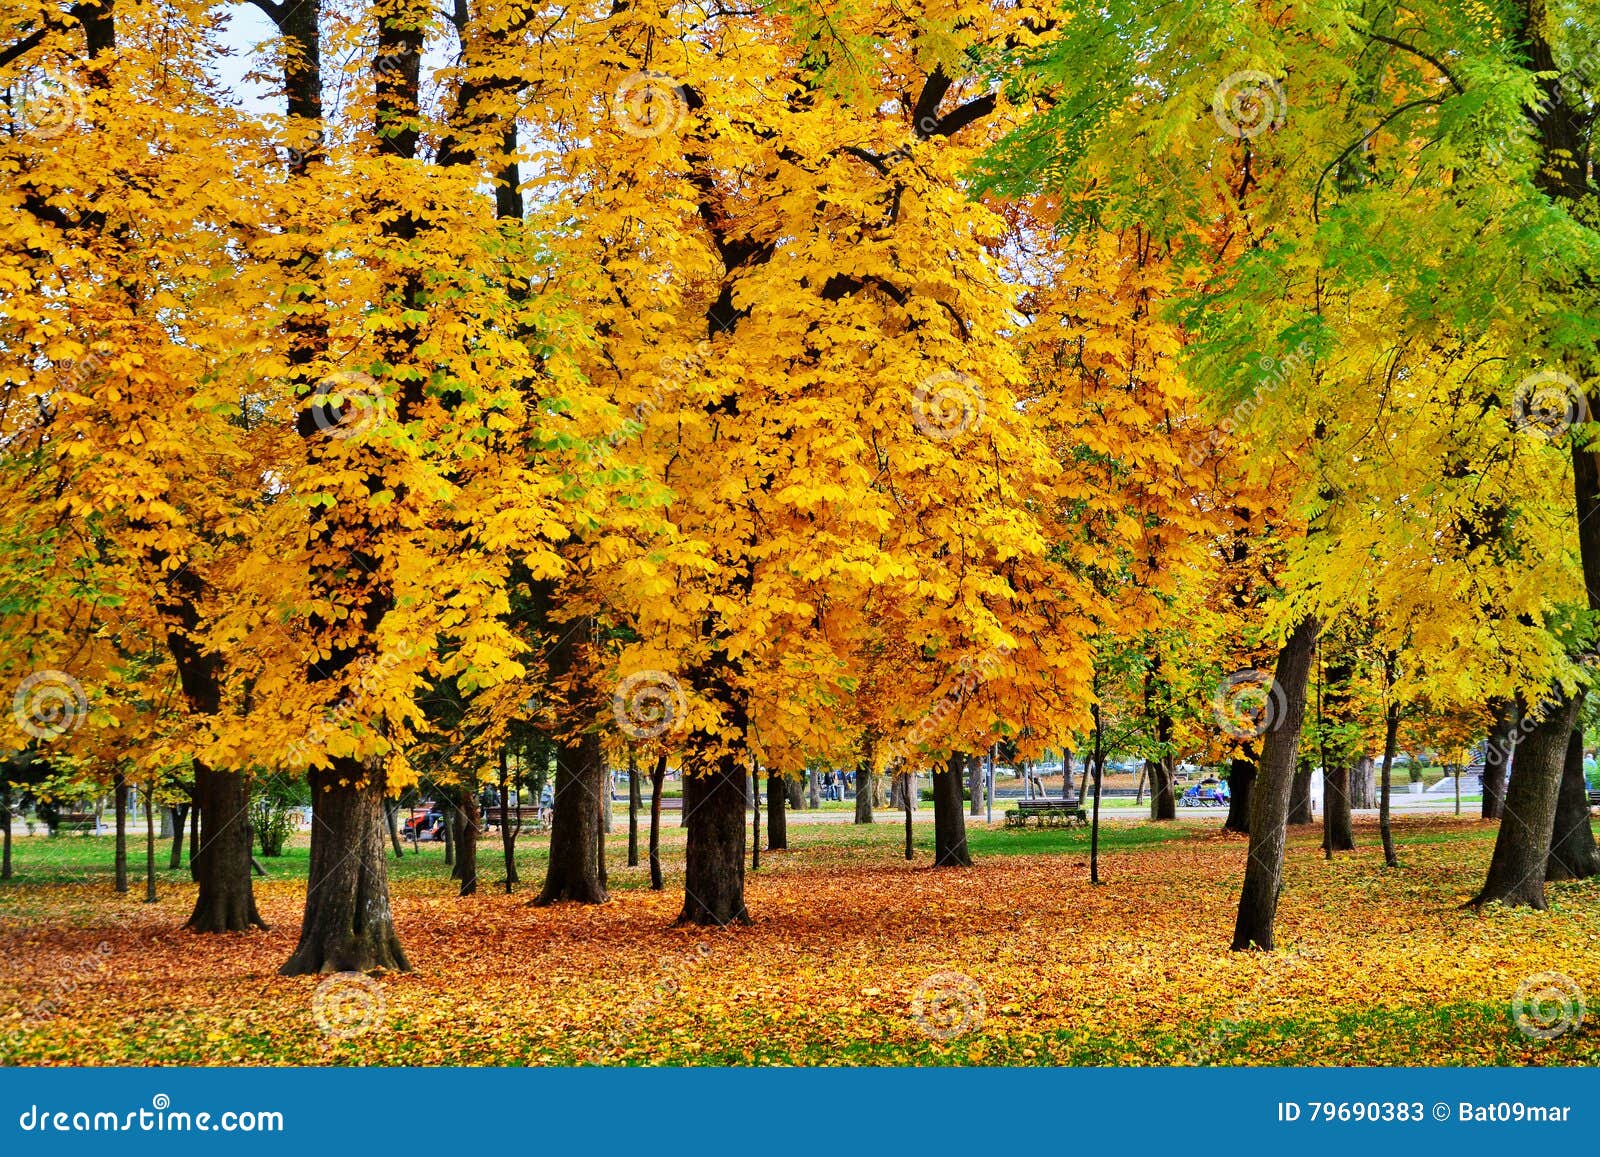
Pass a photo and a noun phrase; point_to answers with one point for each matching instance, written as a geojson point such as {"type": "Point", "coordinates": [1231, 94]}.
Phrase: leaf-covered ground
{"type": "Point", "coordinates": [855, 957]}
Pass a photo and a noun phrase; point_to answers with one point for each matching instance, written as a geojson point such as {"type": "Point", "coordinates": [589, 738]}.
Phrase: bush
{"type": "Point", "coordinates": [272, 808]}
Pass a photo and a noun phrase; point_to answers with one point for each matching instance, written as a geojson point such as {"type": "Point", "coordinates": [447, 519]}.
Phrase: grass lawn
{"type": "Point", "coordinates": [854, 956]}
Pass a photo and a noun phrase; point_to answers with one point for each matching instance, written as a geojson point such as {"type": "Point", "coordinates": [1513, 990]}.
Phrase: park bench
{"type": "Point", "coordinates": [1047, 813]}
{"type": "Point", "coordinates": [77, 822]}
{"type": "Point", "coordinates": [523, 816]}
{"type": "Point", "coordinates": [1594, 799]}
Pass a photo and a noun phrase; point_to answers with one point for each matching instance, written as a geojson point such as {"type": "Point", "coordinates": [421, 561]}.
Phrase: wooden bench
{"type": "Point", "coordinates": [76, 822]}
{"type": "Point", "coordinates": [523, 815]}
{"type": "Point", "coordinates": [1047, 813]}
{"type": "Point", "coordinates": [1594, 799]}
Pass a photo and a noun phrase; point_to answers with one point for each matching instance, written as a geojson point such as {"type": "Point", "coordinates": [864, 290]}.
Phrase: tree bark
{"type": "Point", "coordinates": [1522, 847]}
{"type": "Point", "coordinates": [348, 926]}
{"type": "Point", "coordinates": [865, 784]}
{"type": "Point", "coordinates": [777, 813]}
{"type": "Point", "coordinates": [1163, 801]}
{"type": "Point", "coordinates": [1300, 792]}
{"type": "Point", "coordinates": [509, 828]}
{"type": "Point", "coordinates": [448, 832]}
{"type": "Point", "coordinates": [194, 829]}
{"type": "Point", "coordinates": [1573, 853]}
{"type": "Point", "coordinates": [975, 784]}
{"type": "Point", "coordinates": [149, 845]}
{"type": "Point", "coordinates": [1269, 795]}
{"type": "Point", "coordinates": [634, 799]}
{"type": "Point", "coordinates": [391, 820]}
{"type": "Point", "coordinates": [658, 778]}
{"type": "Point", "coordinates": [949, 822]}
{"type": "Point", "coordinates": [1336, 818]}
{"type": "Point", "coordinates": [714, 800]}
{"type": "Point", "coordinates": [120, 802]}
{"type": "Point", "coordinates": [221, 860]}
{"type": "Point", "coordinates": [795, 792]}
{"type": "Point", "coordinates": [5, 828]}
{"type": "Point", "coordinates": [813, 790]}
{"type": "Point", "coordinates": [1391, 736]}
{"type": "Point", "coordinates": [576, 871]}
{"type": "Point", "coordinates": [180, 818]}
{"type": "Point", "coordinates": [1241, 786]}
{"type": "Point", "coordinates": [468, 825]}
{"type": "Point", "coordinates": [1497, 757]}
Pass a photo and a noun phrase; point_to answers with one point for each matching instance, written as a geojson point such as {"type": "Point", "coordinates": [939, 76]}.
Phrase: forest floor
{"type": "Point", "coordinates": [855, 956]}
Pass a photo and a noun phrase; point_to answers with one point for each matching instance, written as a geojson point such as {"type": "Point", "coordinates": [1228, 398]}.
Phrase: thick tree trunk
{"type": "Point", "coordinates": [1522, 847]}
{"type": "Point", "coordinates": [1241, 785]}
{"type": "Point", "coordinates": [180, 818]}
{"type": "Point", "coordinates": [1163, 801]}
{"type": "Point", "coordinates": [753, 794]}
{"type": "Point", "coordinates": [813, 790]}
{"type": "Point", "coordinates": [119, 797]}
{"type": "Point", "coordinates": [5, 831]}
{"type": "Point", "coordinates": [634, 799]}
{"type": "Point", "coordinates": [1269, 795]}
{"type": "Point", "coordinates": [949, 823]}
{"type": "Point", "coordinates": [865, 785]}
{"type": "Point", "coordinates": [795, 792]}
{"type": "Point", "coordinates": [448, 831]}
{"type": "Point", "coordinates": [1340, 834]}
{"type": "Point", "coordinates": [1497, 757]}
{"type": "Point", "coordinates": [975, 784]}
{"type": "Point", "coordinates": [1300, 792]}
{"type": "Point", "coordinates": [348, 926]}
{"type": "Point", "coordinates": [576, 871]}
{"type": "Point", "coordinates": [1573, 854]}
{"type": "Point", "coordinates": [391, 820]}
{"type": "Point", "coordinates": [714, 800]}
{"type": "Point", "coordinates": [777, 813]}
{"type": "Point", "coordinates": [1363, 784]}
{"type": "Point", "coordinates": [221, 860]}
{"type": "Point", "coordinates": [658, 779]}
{"type": "Point", "coordinates": [468, 825]}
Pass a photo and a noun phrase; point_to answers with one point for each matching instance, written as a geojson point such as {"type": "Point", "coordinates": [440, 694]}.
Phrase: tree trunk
{"type": "Point", "coordinates": [1339, 835]}
{"type": "Point", "coordinates": [1573, 854]}
{"type": "Point", "coordinates": [348, 926]}
{"type": "Point", "coordinates": [509, 828]}
{"type": "Point", "coordinates": [753, 794]}
{"type": "Point", "coordinates": [658, 779]}
{"type": "Point", "coordinates": [149, 845]}
{"type": "Point", "coordinates": [634, 799]}
{"type": "Point", "coordinates": [180, 818]}
{"type": "Point", "coordinates": [795, 792]}
{"type": "Point", "coordinates": [1363, 786]}
{"type": "Point", "coordinates": [165, 832]}
{"type": "Point", "coordinates": [1497, 757]}
{"type": "Point", "coordinates": [1391, 735]}
{"type": "Point", "coordinates": [1522, 847]}
{"type": "Point", "coordinates": [777, 813]}
{"type": "Point", "coordinates": [194, 829]}
{"type": "Point", "coordinates": [5, 831]}
{"type": "Point", "coordinates": [864, 782]}
{"type": "Point", "coordinates": [576, 871]}
{"type": "Point", "coordinates": [1269, 795]}
{"type": "Point", "coordinates": [221, 860]}
{"type": "Point", "coordinates": [714, 801]}
{"type": "Point", "coordinates": [391, 820]}
{"type": "Point", "coordinates": [1163, 801]}
{"type": "Point", "coordinates": [1300, 792]}
{"type": "Point", "coordinates": [813, 790]}
{"type": "Point", "coordinates": [975, 784]}
{"type": "Point", "coordinates": [469, 824]}
{"type": "Point", "coordinates": [1241, 785]}
{"type": "Point", "coordinates": [910, 804]}
{"type": "Point", "coordinates": [949, 823]}
{"type": "Point", "coordinates": [448, 831]}
{"type": "Point", "coordinates": [120, 802]}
